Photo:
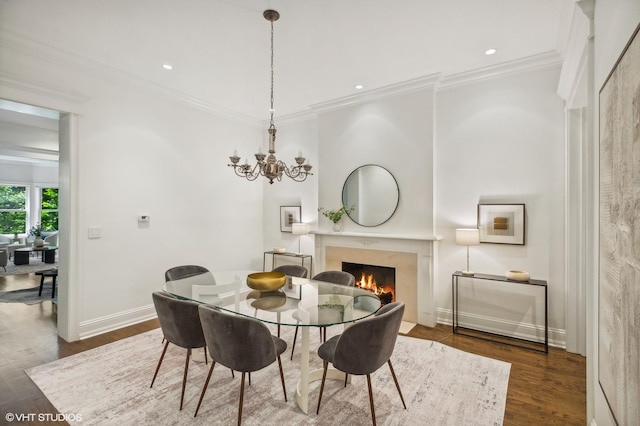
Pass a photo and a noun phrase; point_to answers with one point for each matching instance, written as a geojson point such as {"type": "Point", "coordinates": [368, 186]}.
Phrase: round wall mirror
{"type": "Point", "coordinates": [373, 192]}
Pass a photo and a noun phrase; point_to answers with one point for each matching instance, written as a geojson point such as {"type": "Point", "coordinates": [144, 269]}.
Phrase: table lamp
{"type": "Point", "coordinates": [467, 237]}
{"type": "Point", "coordinates": [299, 229]}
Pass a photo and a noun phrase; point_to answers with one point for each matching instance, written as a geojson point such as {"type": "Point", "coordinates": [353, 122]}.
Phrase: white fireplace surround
{"type": "Point", "coordinates": [422, 309]}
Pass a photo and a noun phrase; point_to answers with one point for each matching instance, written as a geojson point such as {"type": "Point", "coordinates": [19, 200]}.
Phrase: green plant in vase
{"type": "Point", "coordinates": [335, 216]}
{"type": "Point", "coordinates": [36, 231]}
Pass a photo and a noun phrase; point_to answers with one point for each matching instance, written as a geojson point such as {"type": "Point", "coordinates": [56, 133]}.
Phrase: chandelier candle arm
{"type": "Point", "coordinates": [272, 168]}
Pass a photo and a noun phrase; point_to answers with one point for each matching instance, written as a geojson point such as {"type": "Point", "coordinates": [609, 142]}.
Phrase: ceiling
{"type": "Point", "coordinates": [219, 49]}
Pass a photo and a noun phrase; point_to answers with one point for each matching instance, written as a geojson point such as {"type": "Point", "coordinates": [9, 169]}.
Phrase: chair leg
{"type": "Point", "coordinates": [393, 373]}
{"type": "Point", "coordinates": [346, 376]}
{"type": "Point", "coordinates": [204, 388]}
{"type": "Point", "coordinates": [41, 284]}
{"type": "Point", "coordinates": [293, 346]}
{"type": "Point", "coordinates": [159, 362]}
{"type": "Point", "coordinates": [284, 389]}
{"type": "Point", "coordinates": [241, 399]}
{"type": "Point", "coordinates": [373, 412]}
{"type": "Point", "coordinates": [249, 378]}
{"type": "Point", "coordinates": [325, 364]}
{"type": "Point", "coordinates": [206, 361]}
{"type": "Point", "coordinates": [184, 377]}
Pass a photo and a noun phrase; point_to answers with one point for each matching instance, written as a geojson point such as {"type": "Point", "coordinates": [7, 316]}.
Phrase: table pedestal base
{"type": "Point", "coordinates": [306, 376]}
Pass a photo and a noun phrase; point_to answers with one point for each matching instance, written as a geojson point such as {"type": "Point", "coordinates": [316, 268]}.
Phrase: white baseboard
{"type": "Point", "coordinates": [535, 332]}
{"type": "Point", "coordinates": [116, 321]}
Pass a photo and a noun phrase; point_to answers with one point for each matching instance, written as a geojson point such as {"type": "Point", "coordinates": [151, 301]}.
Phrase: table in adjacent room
{"type": "Point", "coordinates": [21, 255]}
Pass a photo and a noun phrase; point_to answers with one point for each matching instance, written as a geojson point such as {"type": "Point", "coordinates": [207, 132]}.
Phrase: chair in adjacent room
{"type": "Point", "coordinates": [241, 344]}
{"type": "Point", "coordinates": [362, 348]}
{"type": "Point", "coordinates": [180, 323]}
{"type": "Point", "coordinates": [334, 277]}
{"type": "Point", "coordinates": [4, 258]}
{"type": "Point", "coordinates": [52, 239]}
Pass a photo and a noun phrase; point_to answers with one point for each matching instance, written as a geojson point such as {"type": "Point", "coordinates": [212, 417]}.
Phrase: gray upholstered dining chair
{"type": "Point", "coordinates": [292, 270]}
{"type": "Point", "coordinates": [334, 277]}
{"type": "Point", "coordinates": [180, 325]}
{"type": "Point", "coordinates": [362, 348]}
{"type": "Point", "coordinates": [240, 343]}
{"type": "Point", "coordinates": [184, 271]}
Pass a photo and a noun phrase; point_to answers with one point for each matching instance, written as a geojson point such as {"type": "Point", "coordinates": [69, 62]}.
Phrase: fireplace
{"type": "Point", "coordinates": [379, 280]}
{"type": "Point", "coordinates": [412, 257]}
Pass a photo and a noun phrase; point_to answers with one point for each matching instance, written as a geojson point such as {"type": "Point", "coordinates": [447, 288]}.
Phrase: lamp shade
{"type": "Point", "coordinates": [299, 228]}
{"type": "Point", "coordinates": [468, 236]}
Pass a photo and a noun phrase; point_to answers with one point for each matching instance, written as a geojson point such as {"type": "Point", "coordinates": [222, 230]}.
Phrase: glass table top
{"type": "Point", "coordinates": [320, 304]}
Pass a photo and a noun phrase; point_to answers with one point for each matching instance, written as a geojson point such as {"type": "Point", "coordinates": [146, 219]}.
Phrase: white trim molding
{"type": "Point", "coordinates": [116, 321]}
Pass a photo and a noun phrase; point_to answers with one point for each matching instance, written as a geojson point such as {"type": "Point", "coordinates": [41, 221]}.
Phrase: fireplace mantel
{"type": "Point", "coordinates": [385, 236]}
{"type": "Point", "coordinates": [423, 247]}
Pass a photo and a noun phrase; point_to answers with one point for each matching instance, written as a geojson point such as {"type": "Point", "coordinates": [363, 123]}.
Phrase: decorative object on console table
{"type": "Point", "coordinates": [517, 275]}
{"type": "Point", "coordinates": [288, 216]}
{"type": "Point", "coordinates": [467, 237]}
{"type": "Point", "coordinates": [501, 223]}
{"type": "Point", "coordinates": [335, 216]}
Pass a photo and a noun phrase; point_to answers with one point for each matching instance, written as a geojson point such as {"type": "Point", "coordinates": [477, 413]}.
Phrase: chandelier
{"type": "Point", "coordinates": [271, 168]}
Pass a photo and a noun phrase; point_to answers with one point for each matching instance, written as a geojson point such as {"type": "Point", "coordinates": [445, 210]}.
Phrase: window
{"type": "Point", "coordinates": [13, 209]}
{"type": "Point", "coordinates": [49, 209]}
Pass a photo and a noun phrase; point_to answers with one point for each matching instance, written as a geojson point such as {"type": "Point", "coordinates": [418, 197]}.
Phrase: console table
{"type": "Point", "coordinates": [304, 258]}
{"type": "Point", "coordinates": [458, 329]}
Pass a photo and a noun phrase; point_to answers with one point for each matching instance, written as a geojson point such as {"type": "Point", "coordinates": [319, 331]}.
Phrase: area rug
{"type": "Point", "coordinates": [28, 296]}
{"type": "Point", "coordinates": [109, 385]}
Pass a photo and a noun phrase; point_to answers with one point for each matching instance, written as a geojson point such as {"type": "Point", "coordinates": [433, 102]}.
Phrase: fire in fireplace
{"type": "Point", "coordinates": [380, 280]}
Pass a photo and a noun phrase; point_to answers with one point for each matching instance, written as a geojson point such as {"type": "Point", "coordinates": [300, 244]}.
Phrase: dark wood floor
{"type": "Point", "coordinates": [544, 389]}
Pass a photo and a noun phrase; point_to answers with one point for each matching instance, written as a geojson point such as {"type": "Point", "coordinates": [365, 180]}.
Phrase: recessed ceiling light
{"type": "Point", "coordinates": [359, 86]}
{"type": "Point", "coordinates": [167, 66]}
{"type": "Point", "coordinates": [490, 51]}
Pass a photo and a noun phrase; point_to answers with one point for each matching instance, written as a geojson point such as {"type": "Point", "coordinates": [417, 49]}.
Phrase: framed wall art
{"type": "Point", "coordinates": [501, 223]}
{"type": "Point", "coordinates": [288, 216]}
{"type": "Point", "coordinates": [619, 251]}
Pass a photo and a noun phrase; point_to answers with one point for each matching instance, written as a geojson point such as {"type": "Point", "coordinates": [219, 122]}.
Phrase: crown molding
{"type": "Point", "coordinates": [10, 150]}
{"type": "Point", "coordinates": [71, 60]}
{"type": "Point", "coordinates": [543, 60]}
{"type": "Point", "coordinates": [413, 85]}
{"type": "Point", "coordinates": [62, 99]}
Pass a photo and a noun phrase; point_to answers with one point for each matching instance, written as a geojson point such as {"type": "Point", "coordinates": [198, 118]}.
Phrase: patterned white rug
{"type": "Point", "coordinates": [109, 385]}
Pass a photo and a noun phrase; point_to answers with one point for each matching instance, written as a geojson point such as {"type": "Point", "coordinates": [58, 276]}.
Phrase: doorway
{"type": "Point", "coordinates": [35, 139]}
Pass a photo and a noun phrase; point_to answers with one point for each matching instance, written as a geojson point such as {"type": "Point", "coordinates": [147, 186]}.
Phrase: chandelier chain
{"type": "Point", "coordinates": [271, 110]}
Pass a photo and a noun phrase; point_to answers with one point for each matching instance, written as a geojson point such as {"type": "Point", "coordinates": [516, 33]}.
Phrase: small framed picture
{"type": "Point", "coordinates": [501, 223]}
{"type": "Point", "coordinates": [288, 216]}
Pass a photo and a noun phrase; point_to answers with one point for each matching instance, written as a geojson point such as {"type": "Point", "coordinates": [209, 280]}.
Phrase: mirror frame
{"type": "Point", "coordinates": [344, 186]}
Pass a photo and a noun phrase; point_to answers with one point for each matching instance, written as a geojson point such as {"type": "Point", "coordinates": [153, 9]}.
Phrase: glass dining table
{"type": "Point", "coordinates": [302, 302]}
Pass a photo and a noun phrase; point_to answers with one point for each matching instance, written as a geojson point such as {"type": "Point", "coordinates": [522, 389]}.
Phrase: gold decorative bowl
{"type": "Point", "coordinates": [266, 281]}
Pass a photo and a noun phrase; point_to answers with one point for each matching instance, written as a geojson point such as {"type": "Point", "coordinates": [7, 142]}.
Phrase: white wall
{"type": "Point", "coordinates": [501, 141]}
{"type": "Point", "coordinates": [293, 137]}
{"type": "Point", "coordinates": [142, 151]}
{"type": "Point", "coordinates": [614, 23]}
{"type": "Point", "coordinates": [395, 132]}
